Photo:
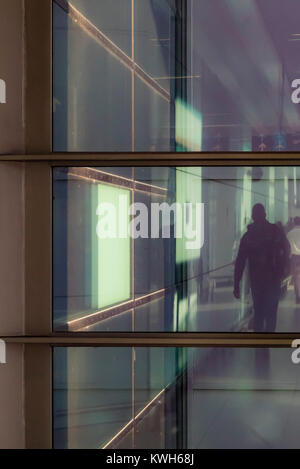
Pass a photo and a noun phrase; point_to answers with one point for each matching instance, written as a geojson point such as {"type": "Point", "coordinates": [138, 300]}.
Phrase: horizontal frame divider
{"type": "Point", "coordinates": [157, 340]}
{"type": "Point", "coordinates": [159, 159]}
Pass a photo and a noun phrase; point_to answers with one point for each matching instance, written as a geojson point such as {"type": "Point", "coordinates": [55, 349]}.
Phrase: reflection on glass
{"type": "Point", "coordinates": [92, 91]}
{"type": "Point", "coordinates": [92, 395]}
{"type": "Point", "coordinates": [114, 21]}
{"type": "Point", "coordinates": [175, 398]}
{"type": "Point", "coordinates": [177, 249]}
{"type": "Point", "coordinates": [154, 34]}
{"type": "Point", "coordinates": [161, 75]}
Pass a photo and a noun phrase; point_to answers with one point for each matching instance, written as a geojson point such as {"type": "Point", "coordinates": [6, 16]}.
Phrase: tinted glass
{"type": "Point", "coordinates": [161, 75]}
{"type": "Point", "coordinates": [211, 249]}
{"type": "Point", "coordinates": [174, 398]}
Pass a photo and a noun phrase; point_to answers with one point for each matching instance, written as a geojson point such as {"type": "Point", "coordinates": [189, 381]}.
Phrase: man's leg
{"type": "Point", "coordinates": [271, 307]}
{"type": "Point", "coordinates": [258, 303]}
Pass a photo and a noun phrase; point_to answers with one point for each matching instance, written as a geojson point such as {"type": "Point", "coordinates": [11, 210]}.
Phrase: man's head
{"type": "Point", "coordinates": [258, 213]}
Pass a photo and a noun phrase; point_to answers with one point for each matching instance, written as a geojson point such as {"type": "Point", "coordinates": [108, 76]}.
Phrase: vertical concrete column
{"type": "Point", "coordinates": [12, 229]}
{"type": "Point", "coordinates": [12, 303]}
{"type": "Point", "coordinates": [11, 76]}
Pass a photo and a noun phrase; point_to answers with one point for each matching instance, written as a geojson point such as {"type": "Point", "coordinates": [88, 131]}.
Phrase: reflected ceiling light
{"type": "Point", "coordinates": [111, 311]}
{"type": "Point", "coordinates": [137, 417]}
{"type": "Point", "coordinates": [89, 28]}
{"type": "Point", "coordinates": [116, 180]}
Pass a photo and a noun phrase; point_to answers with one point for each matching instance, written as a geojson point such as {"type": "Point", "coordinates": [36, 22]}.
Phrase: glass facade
{"type": "Point", "coordinates": [182, 248]}
{"type": "Point", "coordinates": [150, 223]}
{"type": "Point", "coordinates": [175, 398]}
{"type": "Point", "coordinates": [167, 75]}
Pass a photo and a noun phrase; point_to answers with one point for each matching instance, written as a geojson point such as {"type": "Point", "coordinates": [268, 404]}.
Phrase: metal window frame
{"type": "Point", "coordinates": [38, 162]}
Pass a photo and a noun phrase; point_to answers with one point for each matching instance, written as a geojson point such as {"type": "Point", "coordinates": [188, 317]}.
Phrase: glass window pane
{"type": "Point", "coordinates": [175, 398]}
{"type": "Point", "coordinates": [92, 92]}
{"type": "Point", "coordinates": [152, 120]}
{"type": "Point", "coordinates": [161, 75]}
{"type": "Point", "coordinates": [92, 395]}
{"type": "Point", "coordinates": [154, 38]}
{"type": "Point", "coordinates": [208, 249]}
{"type": "Point", "coordinates": [114, 22]}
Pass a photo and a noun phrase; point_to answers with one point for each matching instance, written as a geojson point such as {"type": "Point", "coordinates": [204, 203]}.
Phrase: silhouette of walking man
{"type": "Point", "coordinates": [266, 249]}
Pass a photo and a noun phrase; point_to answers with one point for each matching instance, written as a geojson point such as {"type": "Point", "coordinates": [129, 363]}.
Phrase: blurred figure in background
{"type": "Point", "coordinates": [266, 249]}
{"type": "Point", "coordinates": [294, 239]}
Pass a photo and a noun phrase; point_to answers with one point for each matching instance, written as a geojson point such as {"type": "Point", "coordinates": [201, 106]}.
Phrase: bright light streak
{"type": "Point", "coordinates": [188, 127]}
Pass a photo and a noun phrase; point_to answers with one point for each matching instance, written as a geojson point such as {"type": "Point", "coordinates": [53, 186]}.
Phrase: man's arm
{"type": "Point", "coordinates": [239, 267]}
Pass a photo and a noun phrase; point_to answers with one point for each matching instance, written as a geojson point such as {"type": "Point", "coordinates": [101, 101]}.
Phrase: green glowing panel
{"type": "Point", "coordinates": [111, 254]}
{"type": "Point", "coordinates": [94, 246]}
{"type": "Point", "coordinates": [188, 190]}
{"type": "Point", "coordinates": [188, 127]}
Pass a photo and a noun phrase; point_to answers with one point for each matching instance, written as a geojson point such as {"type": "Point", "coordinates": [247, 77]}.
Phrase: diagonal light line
{"type": "Point", "coordinates": [88, 27]}
{"type": "Point", "coordinates": [132, 421]}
